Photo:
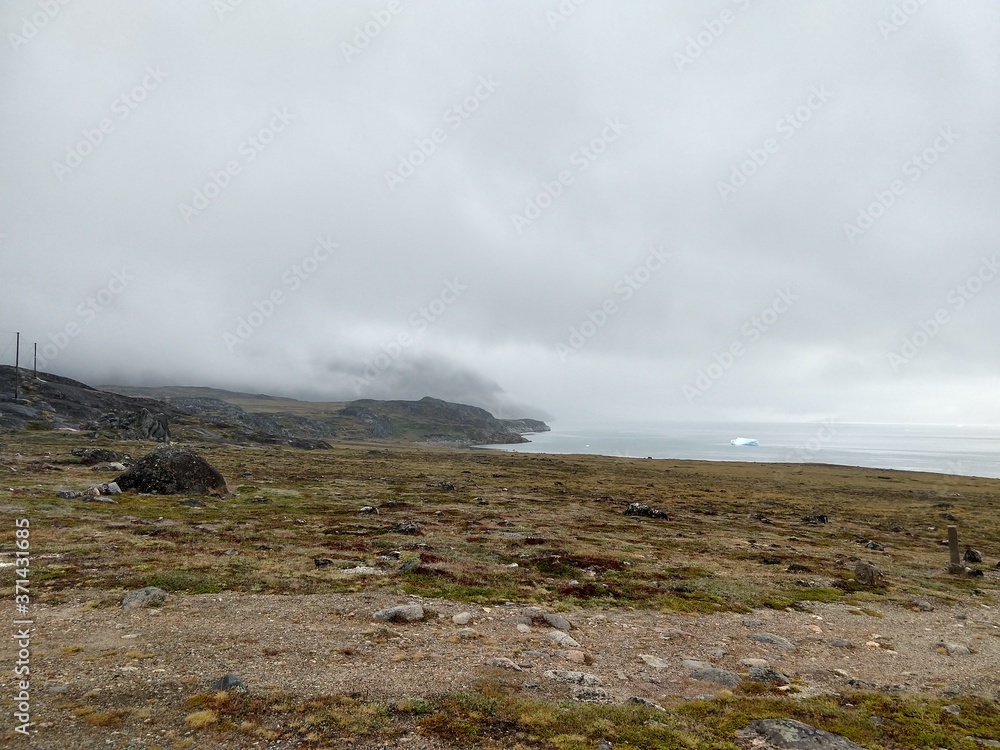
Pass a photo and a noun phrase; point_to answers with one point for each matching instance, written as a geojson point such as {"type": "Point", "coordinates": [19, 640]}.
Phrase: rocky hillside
{"type": "Point", "coordinates": [54, 402]}
{"type": "Point", "coordinates": [212, 415]}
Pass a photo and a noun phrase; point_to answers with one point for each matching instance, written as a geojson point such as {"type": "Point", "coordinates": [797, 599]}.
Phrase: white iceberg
{"type": "Point", "coordinates": [744, 441]}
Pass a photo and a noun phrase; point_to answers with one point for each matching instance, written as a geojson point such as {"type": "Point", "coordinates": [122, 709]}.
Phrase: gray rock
{"type": "Point", "coordinates": [718, 676]}
{"type": "Point", "coordinates": [368, 510]}
{"type": "Point", "coordinates": [755, 663]}
{"type": "Point", "coordinates": [639, 701]}
{"type": "Point", "coordinates": [108, 466]}
{"type": "Point", "coordinates": [230, 682]}
{"type": "Point", "coordinates": [67, 494]}
{"type": "Point", "coordinates": [467, 633]}
{"type": "Point", "coordinates": [405, 527]}
{"type": "Point", "coordinates": [586, 694]}
{"type": "Point", "coordinates": [192, 502]}
{"type": "Point", "coordinates": [972, 556]}
{"type": "Point", "coordinates": [462, 618]}
{"type": "Point", "coordinates": [561, 638]}
{"type": "Point", "coordinates": [111, 488]}
{"type": "Point", "coordinates": [147, 597]}
{"type": "Point", "coordinates": [773, 640]}
{"type": "Point", "coordinates": [953, 710]}
{"type": "Point", "coordinates": [768, 674]}
{"type": "Point", "coordinates": [868, 575]}
{"type": "Point", "coordinates": [654, 661]}
{"type": "Point", "coordinates": [557, 621]}
{"type": "Point", "coordinates": [841, 643]}
{"type": "Point", "coordinates": [956, 649]}
{"type": "Point", "coordinates": [322, 562]}
{"type": "Point", "coordinates": [573, 677]}
{"type": "Point", "coordinates": [401, 613]}
{"type": "Point", "coordinates": [789, 734]}
{"type": "Point", "coordinates": [922, 605]}
{"type": "Point", "coordinates": [696, 664]}
{"type": "Point", "coordinates": [641, 509]}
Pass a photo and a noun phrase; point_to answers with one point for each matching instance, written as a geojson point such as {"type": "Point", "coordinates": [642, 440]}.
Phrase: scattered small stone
{"type": "Point", "coordinates": [870, 544]}
{"type": "Point", "coordinates": [108, 466]}
{"type": "Point", "coordinates": [768, 674]}
{"type": "Point", "coordinates": [840, 643]}
{"type": "Point", "coordinates": [604, 745]}
{"type": "Point", "coordinates": [151, 596]}
{"type": "Point", "coordinates": [984, 742]}
{"type": "Point", "coordinates": [654, 661]}
{"type": "Point", "coordinates": [922, 605]}
{"type": "Point", "coordinates": [954, 710]}
{"type": "Point", "coordinates": [258, 500]}
{"type": "Point", "coordinates": [561, 638]}
{"type": "Point", "coordinates": [503, 663]}
{"type": "Point", "coordinates": [755, 663]}
{"type": "Point", "coordinates": [816, 519]}
{"type": "Point", "coordinates": [789, 734]}
{"type": "Point", "coordinates": [773, 640]}
{"type": "Point", "coordinates": [588, 694]}
{"type": "Point", "coordinates": [401, 613]}
{"type": "Point", "coordinates": [67, 494]}
{"type": "Point", "coordinates": [522, 628]}
{"type": "Point", "coordinates": [446, 485]}
{"type": "Point", "coordinates": [972, 556]}
{"type": "Point", "coordinates": [192, 502]}
{"type": "Point", "coordinates": [641, 509]}
{"type": "Point", "coordinates": [467, 634]}
{"type": "Point", "coordinates": [368, 510]}
{"type": "Point", "coordinates": [230, 682]}
{"type": "Point", "coordinates": [576, 678]}
{"type": "Point", "coordinates": [718, 676]}
{"type": "Point", "coordinates": [409, 566]}
{"type": "Point", "coordinates": [868, 575]}
{"type": "Point", "coordinates": [752, 622]}
{"type": "Point", "coordinates": [798, 568]}
{"type": "Point", "coordinates": [462, 618]}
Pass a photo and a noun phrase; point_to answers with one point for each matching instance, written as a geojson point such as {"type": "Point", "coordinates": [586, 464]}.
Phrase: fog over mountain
{"type": "Point", "coordinates": [585, 211]}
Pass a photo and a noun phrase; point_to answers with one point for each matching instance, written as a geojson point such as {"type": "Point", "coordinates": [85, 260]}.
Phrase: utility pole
{"type": "Point", "coordinates": [17, 365]}
{"type": "Point", "coordinates": [34, 368]}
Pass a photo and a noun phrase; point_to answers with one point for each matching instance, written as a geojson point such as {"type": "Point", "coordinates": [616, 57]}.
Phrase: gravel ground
{"type": "Point", "coordinates": [154, 658]}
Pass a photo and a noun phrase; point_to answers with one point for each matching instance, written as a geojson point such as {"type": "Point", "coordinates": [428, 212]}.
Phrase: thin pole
{"type": "Point", "coordinates": [17, 365]}
{"type": "Point", "coordinates": [34, 368]}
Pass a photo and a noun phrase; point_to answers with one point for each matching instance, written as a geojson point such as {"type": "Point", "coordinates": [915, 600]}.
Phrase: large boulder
{"type": "Point", "coordinates": [171, 469]}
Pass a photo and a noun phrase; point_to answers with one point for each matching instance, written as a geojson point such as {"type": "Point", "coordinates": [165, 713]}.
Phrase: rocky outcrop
{"type": "Point", "coordinates": [132, 425]}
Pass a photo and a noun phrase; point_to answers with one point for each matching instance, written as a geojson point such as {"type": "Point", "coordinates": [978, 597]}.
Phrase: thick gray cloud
{"type": "Point", "coordinates": [597, 210]}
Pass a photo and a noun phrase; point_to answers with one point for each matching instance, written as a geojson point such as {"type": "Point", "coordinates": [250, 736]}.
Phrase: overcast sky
{"type": "Point", "coordinates": [587, 211]}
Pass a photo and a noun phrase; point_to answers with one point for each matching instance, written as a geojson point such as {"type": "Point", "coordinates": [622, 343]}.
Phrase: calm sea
{"type": "Point", "coordinates": [967, 450]}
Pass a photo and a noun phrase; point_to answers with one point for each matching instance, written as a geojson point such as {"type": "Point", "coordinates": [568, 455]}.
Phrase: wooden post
{"type": "Point", "coordinates": [17, 365]}
{"type": "Point", "coordinates": [955, 566]}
